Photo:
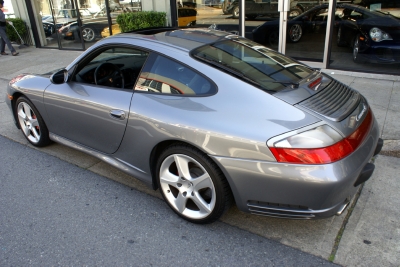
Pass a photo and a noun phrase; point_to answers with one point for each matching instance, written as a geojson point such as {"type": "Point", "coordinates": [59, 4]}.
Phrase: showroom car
{"type": "Point", "coordinates": [254, 8]}
{"type": "Point", "coordinates": [208, 118]}
{"type": "Point", "coordinates": [373, 35]}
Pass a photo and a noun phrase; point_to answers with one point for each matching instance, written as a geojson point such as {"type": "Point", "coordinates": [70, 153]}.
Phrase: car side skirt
{"type": "Point", "coordinates": [113, 161]}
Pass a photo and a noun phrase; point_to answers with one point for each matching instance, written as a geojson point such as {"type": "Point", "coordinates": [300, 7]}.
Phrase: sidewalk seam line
{"type": "Point", "coordinates": [346, 220]}
{"type": "Point", "coordinates": [387, 110]}
{"type": "Point", "coordinates": [343, 227]}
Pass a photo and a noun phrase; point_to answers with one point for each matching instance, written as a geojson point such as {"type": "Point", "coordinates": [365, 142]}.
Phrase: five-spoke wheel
{"type": "Point", "coordinates": [88, 35]}
{"type": "Point", "coordinates": [31, 123]}
{"type": "Point", "coordinates": [295, 33]}
{"type": "Point", "coordinates": [192, 185]}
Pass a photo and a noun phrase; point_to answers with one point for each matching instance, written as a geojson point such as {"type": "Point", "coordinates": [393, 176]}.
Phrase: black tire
{"type": "Point", "coordinates": [251, 16]}
{"type": "Point", "coordinates": [295, 33]}
{"type": "Point", "coordinates": [295, 11]}
{"type": "Point", "coordinates": [235, 12]}
{"type": "Point", "coordinates": [356, 47]}
{"type": "Point", "coordinates": [273, 39]}
{"type": "Point", "coordinates": [203, 183]}
{"type": "Point", "coordinates": [31, 123]}
{"type": "Point", "coordinates": [340, 40]}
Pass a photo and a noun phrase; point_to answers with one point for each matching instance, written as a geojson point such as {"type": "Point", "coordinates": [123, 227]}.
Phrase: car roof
{"type": "Point", "coordinates": [183, 38]}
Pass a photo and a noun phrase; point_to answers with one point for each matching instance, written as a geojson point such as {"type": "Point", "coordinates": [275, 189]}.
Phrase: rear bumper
{"type": "Point", "coordinates": [300, 191]}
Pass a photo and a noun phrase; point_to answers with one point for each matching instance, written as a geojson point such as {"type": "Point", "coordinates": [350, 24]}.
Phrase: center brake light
{"type": "Point", "coordinates": [290, 151]}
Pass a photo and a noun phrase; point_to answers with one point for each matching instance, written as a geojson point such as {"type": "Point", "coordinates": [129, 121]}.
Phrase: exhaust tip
{"type": "Point", "coordinates": [340, 211]}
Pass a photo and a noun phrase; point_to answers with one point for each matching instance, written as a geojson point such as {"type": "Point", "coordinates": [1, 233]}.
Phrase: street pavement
{"type": "Point", "coordinates": [368, 234]}
{"type": "Point", "coordinates": [54, 213]}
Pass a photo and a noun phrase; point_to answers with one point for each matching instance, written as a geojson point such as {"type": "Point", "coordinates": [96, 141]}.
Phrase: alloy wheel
{"type": "Point", "coordinates": [295, 33]}
{"type": "Point", "coordinates": [88, 35]}
{"type": "Point", "coordinates": [28, 122]}
{"type": "Point", "coordinates": [187, 186]}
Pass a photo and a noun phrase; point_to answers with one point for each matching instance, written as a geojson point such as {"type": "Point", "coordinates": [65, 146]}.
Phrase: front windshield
{"type": "Point", "coordinates": [265, 68]}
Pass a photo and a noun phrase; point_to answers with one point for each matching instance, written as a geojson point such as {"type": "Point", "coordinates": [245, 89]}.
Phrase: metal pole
{"type": "Point", "coordinates": [329, 32]}
{"type": "Point", "coordinates": [241, 18]}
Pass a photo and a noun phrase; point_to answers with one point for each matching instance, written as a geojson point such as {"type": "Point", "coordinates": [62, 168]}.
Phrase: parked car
{"type": "Point", "coordinates": [269, 8]}
{"type": "Point", "coordinates": [91, 29]}
{"type": "Point", "coordinates": [311, 21]}
{"type": "Point", "coordinates": [373, 35]}
{"type": "Point", "coordinates": [49, 28]}
{"type": "Point", "coordinates": [207, 117]}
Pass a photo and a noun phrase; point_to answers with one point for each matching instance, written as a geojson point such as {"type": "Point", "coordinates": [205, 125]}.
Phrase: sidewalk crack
{"type": "Point", "coordinates": [343, 227]}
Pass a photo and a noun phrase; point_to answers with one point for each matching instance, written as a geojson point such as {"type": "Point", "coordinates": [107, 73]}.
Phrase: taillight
{"type": "Point", "coordinates": [319, 145]}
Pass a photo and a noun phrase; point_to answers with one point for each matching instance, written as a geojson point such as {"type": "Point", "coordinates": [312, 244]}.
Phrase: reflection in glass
{"type": "Point", "coordinates": [306, 34]}
{"type": "Point", "coordinates": [366, 37]}
{"type": "Point", "coordinates": [253, 63]}
{"type": "Point", "coordinates": [78, 24]}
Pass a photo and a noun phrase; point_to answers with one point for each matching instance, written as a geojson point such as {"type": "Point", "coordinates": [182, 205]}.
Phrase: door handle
{"type": "Point", "coordinates": [118, 114]}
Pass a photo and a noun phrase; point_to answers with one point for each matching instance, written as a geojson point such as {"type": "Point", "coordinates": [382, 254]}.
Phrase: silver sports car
{"type": "Point", "coordinates": [208, 118]}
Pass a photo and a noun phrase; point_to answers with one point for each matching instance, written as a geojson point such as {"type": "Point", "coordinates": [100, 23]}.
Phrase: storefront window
{"type": "Point", "coordinates": [214, 14]}
{"type": "Point", "coordinates": [306, 32]}
{"type": "Point", "coordinates": [78, 24]}
{"type": "Point", "coordinates": [366, 36]}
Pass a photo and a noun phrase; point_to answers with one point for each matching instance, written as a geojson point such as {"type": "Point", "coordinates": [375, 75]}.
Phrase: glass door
{"type": "Point", "coordinates": [306, 28]}
{"type": "Point", "coordinates": [68, 17]}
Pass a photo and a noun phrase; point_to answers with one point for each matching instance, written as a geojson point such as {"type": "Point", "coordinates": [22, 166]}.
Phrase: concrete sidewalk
{"type": "Point", "coordinates": [368, 234]}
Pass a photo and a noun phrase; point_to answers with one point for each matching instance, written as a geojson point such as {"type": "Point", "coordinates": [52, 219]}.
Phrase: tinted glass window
{"type": "Point", "coordinates": [254, 63]}
{"type": "Point", "coordinates": [116, 67]}
{"type": "Point", "coordinates": [164, 75]}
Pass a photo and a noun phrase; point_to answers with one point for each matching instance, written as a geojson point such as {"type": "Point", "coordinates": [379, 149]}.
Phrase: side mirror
{"type": "Point", "coordinates": [59, 77]}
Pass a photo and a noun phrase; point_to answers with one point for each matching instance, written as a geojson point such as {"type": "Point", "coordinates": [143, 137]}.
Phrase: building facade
{"type": "Point", "coordinates": [356, 35]}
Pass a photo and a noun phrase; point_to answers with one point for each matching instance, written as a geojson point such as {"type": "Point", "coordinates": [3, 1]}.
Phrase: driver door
{"type": "Point", "coordinates": [93, 111]}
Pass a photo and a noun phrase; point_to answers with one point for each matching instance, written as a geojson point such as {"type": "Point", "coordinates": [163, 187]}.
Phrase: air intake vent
{"type": "Point", "coordinates": [279, 210]}
{"type": "Point", "coordinates": [335, 102]}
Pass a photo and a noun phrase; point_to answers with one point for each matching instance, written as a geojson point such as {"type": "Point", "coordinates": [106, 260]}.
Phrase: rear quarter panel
{"type": "Point", "coordinates": [235, 122]}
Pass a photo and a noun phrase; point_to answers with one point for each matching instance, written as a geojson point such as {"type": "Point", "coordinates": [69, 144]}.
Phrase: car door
{"type": "Point", "coordinates": [92, 108]}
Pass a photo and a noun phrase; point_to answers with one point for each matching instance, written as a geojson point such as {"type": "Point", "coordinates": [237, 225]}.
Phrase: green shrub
{"type": "Point", "coordinates": [19, 25]}
{"type": "Point", "coordinates": [139, 20]}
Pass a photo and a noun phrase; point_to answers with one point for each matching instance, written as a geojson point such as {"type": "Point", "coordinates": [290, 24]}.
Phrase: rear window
{"type": "Point", "coordinates": [253, 63]}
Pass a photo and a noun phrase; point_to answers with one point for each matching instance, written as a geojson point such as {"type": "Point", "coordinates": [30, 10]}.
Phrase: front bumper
{"type": "Point", "coordinates": [296, 190]}
{"type": "Point", "coordinates": [387, 53]}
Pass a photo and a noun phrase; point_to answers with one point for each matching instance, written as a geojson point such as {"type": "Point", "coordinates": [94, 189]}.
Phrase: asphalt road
{"type": "Point", "coordinates": [53, 213]}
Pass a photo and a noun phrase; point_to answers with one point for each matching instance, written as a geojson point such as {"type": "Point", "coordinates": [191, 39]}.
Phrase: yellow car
{"type": "Point", "coordinates": [186, 17]}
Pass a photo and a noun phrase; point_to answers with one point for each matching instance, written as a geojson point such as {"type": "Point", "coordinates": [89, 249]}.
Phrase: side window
{"type": "Point", "coordinates": [163, 75]}
{"type": "Point", "coordinates": [116, 67]}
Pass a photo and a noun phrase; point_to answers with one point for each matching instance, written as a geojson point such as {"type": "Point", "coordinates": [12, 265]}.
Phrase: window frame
{"type": "Point", "coordinates": [96, 52]}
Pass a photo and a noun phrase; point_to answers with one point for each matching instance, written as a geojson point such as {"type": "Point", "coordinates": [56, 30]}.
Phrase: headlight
{"type": "Point", "coordinates": [378, 35]}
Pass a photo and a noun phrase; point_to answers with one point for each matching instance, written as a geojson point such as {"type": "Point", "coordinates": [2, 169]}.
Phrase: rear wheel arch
{"type": "Point", "coordinates": [160, 147]}
{"type": "Point", "coordinates": [200, 193]}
